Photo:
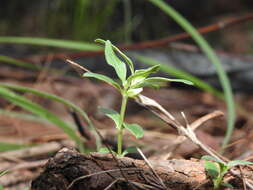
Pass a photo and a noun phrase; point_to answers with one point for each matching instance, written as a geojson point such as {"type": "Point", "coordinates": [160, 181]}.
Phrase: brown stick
{"type": "Point", "coordinates": [71, 170]}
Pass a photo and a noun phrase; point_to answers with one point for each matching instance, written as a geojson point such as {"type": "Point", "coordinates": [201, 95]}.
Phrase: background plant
{"type": "Point", "coordinates": [217, 169]}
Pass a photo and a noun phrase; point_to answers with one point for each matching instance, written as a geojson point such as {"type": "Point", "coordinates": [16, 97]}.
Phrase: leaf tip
{"type": "Point", "coordinates": [101, 41]}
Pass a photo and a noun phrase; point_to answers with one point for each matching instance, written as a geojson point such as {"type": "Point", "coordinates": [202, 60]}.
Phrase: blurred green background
{"type": "Point", "coordinates": [119, 20]}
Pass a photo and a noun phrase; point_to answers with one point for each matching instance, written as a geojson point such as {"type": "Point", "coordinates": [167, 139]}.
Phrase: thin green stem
{"type": "Point", "coordinates": [122, 117]}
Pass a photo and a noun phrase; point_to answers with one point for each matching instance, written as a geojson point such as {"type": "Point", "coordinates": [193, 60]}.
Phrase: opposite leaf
{"type": "Point", "coordinates": [113, 115]}
{"type": "Point", "coordinates": [102, 78]}
{"type": "Point", "coordinates": [239, 162]}
{"type": "Point", "coordinates": [115, 62]}
{"type": "Point", "coordinates": [212, 169]}
{"type": "Point", "coordinates": [135, 129]}
{"type": "Point", "coordinates": [145, 72]}
{"type": "Point", "coordinates": [210, 158]}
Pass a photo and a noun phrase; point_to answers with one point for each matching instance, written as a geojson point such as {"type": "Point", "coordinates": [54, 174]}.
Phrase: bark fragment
{"type": "Point", "coordinates": [100, 171]}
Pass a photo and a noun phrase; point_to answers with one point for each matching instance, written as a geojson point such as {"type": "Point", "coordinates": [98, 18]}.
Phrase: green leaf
{"type": "Point", "coordinates": [40, 111]}
{"type": "Point", "coordinates": [223, 169]}
{"type": "Point", "coordinates": [210, 158]}
{"type": "Point", "coordinates": [104, 150]}
{"type": "Point", "coordinates": [102, 78]}
{"type": "Point", "coordinates": [128, 60]}
{"type": "Point", "coordinates": [136, 82]}
{"type": "Point", "coordinates": [135, 129]}
{"type": "Point", "coordinates": [138, 78]}
{"type": "Point", "coordinates": [162, 79]}
{"type": "Point", "coordinates": [212, 169]}
{"type": "Point", "coordinates": [134, 92]}
{"type": "Point", "coordinates": [147, 72]}
{"type": "Point", "coordinates": [115, 62]}
{"type": "Point", "coordinates": [239, 162]}
{"type": "Point", "coordinates": [113, 115]}
{"type": "Point", "coordinates": [131, 149]}
{"type": "Point", "coordinates": [1, 187]}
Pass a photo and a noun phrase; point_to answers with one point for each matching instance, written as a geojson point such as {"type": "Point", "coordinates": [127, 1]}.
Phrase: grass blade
{"type": "Point", "coordinates": [60, 100]}
{"type": "Point", "coordinates": [40, 111]}
{"type": "Point", "coordinates": [66, 44]}
{"type": "Point", "coordinates": [4, 146]}
{"type": "Point", "coordinates": [212, 57]}
{"type": "Point", "coordinates": [24, 116]}
{"type": "Point", "coordinates": [19, 63]}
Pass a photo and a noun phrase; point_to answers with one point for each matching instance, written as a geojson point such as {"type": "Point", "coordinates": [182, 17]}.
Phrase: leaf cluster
{"type": "Point", "coordinates": [132, 85]}
{"type": "Point", "coordinates": [217, 169]}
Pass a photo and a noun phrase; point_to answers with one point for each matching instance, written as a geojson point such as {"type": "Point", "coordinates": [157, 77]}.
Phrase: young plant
{"type": "Point", "coordinates": [217, 169]}
{"type": "Point", "coordinates": [128, 86]}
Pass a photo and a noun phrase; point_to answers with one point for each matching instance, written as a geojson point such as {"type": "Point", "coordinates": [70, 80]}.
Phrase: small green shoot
{"type": "Point", "coordinates": [217, 169]}
{"type": "Point", "coordinates": [129, 87]}
{"type": "Point", "coordinates": [131, 149]}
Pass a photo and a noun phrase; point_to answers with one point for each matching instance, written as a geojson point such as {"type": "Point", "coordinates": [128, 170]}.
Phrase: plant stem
{"type": "Point", "coordinates": [122, 117]}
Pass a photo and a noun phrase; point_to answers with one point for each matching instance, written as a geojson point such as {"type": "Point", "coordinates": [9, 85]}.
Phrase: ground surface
{"type": "Point", "coordinates": [155, 144]}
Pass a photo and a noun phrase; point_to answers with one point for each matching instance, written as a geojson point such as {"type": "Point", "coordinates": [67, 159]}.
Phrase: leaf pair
{"type": "Point", "coordinates": [134, 129]}
{"type": "Point", "coordinates": [217, 169]}
{"type": "Point", "coordinates": [128, 150]}
{"type": "Point", "coordinates": [141, 79]}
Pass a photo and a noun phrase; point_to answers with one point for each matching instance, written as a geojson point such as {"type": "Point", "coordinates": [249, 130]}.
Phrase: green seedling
{"type": "Point", "coordinates": [216, 169]}
{"type": "Point", "coordinates": [128, 86]}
